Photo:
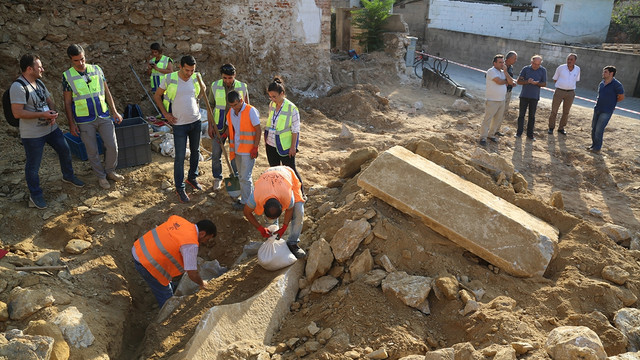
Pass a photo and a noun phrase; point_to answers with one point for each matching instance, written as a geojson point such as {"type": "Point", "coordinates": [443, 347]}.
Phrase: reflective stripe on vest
{"type": "Point", "coordinates": [159, 249]}
{"type": "Point", "coordinates": [156, 76]}
{"type": "Point", "coordinates": [247, 133]}
{"type": "Point", "coordinates": [278, 182]}
{"type": "Point", "coordinates": [283, 134]}
{"type": "Point", "coordinates": [220, 95]}
{"type": "Point", "coordinates": [88, 93]}
{"type": "Point", "coordinates": [172, 89]}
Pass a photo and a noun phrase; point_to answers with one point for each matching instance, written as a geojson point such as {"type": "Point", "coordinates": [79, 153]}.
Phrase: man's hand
{"type": "Point", "coordinates": [254, 152]}
{"type": "Point", "coordinates": [170, 118]}
{"type": "Point", "coordinates": [281, 231]}
{"type": "Point", "coordinates": [73, 128]}
{"type": "Point", "coordinates": [117, 117]}
{"type": "Point", "coordinates": [204, 284]}
{"type": "Point", "coordinates": [265, 233]}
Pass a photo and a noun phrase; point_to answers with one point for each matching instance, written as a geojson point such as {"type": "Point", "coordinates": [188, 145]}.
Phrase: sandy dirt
{"type": "Point", "coordinates": [378, 108]}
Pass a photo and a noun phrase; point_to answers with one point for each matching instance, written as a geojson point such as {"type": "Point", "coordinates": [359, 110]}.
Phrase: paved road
{"type": "Point", "coordinates": [474, 82]}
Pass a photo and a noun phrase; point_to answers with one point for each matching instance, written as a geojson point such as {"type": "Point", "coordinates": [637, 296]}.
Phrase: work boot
{"type": "Point", "coordinates": [115, 176]}
{"type": "Point", "coordinates": [104, 183]}
{"type": "Point", "coordinates": [38, 201]}
{"type": "Point", "coordinates": [74, 181]}
{"type": "Point", "coordinates": [182, 195]}
{"type": "Point", "coordinates": [296, 251]}
{"type": "Point", "coordinates": [217, 184]}
{"type": "Point", "coordinates": [194, 184]}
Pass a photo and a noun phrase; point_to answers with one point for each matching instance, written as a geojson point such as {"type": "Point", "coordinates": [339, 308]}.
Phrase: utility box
{"type": "Point", "coordinates": [77, 146]}
{"type": "Point", "coordinates": [133, 142]}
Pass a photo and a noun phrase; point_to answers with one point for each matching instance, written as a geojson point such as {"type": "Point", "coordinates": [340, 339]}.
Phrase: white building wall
{"type": "Point", "coordinates": [585, 21]}
{"type": "Point", "coordinates": [485, 19]}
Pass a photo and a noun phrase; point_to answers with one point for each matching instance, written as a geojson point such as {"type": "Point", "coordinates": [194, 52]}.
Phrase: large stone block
{"type": "Point", "coordinates": [487, 225]}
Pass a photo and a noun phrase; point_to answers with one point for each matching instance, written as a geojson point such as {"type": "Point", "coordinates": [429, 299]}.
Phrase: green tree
{"type": "Point", "coordinates": [370, 19]}
{"type": "Point", "coordinates": [626, 18]}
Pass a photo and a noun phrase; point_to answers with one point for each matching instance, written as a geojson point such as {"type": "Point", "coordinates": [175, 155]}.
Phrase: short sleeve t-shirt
{"type": "Point", "coordinates": [185, 105]}
{"type": "Point", "coordinates": [495, 92]}
{"type": "Point", "coordinates": [38, 95]}
{"type": "Point", "coordinates": [608, 96]}
{"type": "Point", "coordinates": [531, 91]}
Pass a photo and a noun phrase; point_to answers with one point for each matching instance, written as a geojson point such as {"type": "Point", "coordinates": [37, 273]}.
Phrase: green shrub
{"type": "Point", "coordinates": [370, 19]}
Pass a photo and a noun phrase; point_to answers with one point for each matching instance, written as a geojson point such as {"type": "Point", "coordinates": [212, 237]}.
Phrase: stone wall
{"type": "Point", "coordinates": [478, 51]}
{"type": "Point", "coordinates": [262, 38]}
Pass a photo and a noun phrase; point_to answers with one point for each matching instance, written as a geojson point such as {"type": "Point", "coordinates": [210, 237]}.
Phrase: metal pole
{"type": "Point", "coordinates": [145, 91]}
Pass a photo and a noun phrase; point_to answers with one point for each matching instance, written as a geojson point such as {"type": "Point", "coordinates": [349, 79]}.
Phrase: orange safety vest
{"type": "Point", "coordinates": [159, 249]}
{"type": "Point", "coordinates": [247, 132]}
{"type": "Point", "coordinates": [279, 182]}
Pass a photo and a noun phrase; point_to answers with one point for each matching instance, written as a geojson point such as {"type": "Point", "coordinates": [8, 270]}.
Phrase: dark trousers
{"type": "Point", "coordinates": [275, 159]}
{"type": "Point", "coordinates": [532, 104]}
{"type": "Point", "coordinates": [180, 135]}
{"type": "Point", "coordinates": [34, 148]}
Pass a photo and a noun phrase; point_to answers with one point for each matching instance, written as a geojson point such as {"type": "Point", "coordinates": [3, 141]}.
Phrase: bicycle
{"type": "Point", "coordinates": [438, 65]}
{"type": "Point", "coordinates": [418, 63]}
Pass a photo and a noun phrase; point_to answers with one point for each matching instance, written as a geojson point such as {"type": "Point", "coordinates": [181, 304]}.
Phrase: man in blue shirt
{"type": "Point", "coordinates": [610, 92]}
{"type": "Point", "coordinates": [532, 78]}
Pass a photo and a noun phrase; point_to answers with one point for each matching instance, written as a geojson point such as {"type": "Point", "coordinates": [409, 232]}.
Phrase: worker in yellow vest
{"type": "Point", "coordinates": [158, 66]}
{"type": "Point", "coordinates": [177, 98]}
{"type": "Point", "coordinates": [243, 127]}
{"type": "Point", "coordinates": [276, 189]}
{"type": "Point", "coordinates": [218, 99]}
{"type": "Point", "coordinates": [282, 130]}
{"type": "Point", "coordinates": [90, 109]}
{"type": "Point", "coordinates": [169, 250]}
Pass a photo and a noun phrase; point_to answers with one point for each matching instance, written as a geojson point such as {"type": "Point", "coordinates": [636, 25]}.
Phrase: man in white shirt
{"type": "Point", "coordinates": [566, 77]}
{"type": "Point", "coordinates": [179, 106]}
{"type": "Point", "coordinates": [497, 80]}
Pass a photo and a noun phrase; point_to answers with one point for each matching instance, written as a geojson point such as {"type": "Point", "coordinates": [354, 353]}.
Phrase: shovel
{"type": "Point", "coordinates": [231, 183]}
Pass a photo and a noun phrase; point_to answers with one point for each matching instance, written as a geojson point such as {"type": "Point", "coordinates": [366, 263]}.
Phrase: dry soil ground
{"type": "Point", "coordinates": [380, 113]}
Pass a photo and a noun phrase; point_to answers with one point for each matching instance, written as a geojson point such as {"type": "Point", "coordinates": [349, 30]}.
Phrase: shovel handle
{"type": "Point", "coordinates": [215, 129]}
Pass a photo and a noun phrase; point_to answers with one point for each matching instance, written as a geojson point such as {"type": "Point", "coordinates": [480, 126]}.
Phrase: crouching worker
{"type": "Point", "coordinates": [168, 251]}
{"type": "Point", "coordinates": [278, 188]}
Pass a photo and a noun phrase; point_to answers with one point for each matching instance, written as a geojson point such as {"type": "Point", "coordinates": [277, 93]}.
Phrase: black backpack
{"type": "Point", "coordinates": [132, 111]}
{"type": "Point", "coordinates": [6, 102]}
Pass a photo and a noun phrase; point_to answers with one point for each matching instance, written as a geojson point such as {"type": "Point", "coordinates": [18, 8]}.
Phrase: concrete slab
{"type": "Point", "coordinates": [487, 225]}
{"type": "Point", "coordinates": [254, 320]}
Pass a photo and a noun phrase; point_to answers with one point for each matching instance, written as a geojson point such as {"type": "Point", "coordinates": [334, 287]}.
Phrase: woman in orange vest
{"type": "Point", "coordinates": [168, 251]}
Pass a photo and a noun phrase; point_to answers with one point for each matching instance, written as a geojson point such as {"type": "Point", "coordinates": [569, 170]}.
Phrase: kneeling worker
{"type": "Point", "coordinates": [278, 188]}
{"type": "Point", "coordinates": [168, 251]}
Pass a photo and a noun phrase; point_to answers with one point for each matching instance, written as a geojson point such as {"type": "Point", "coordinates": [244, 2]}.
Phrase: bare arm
{"type": "Point", "coordinates": [157, 97]}
{"type": "Point", "coordinates": [248, 213]}
{"type": "Point", "coordinates": [499, 81]}
{"type": "Point", "coordinates": [68, 101]}
{"type": "Point", "coordinates": [112, 105]}
{"type": "Point", "coordinates": [194, 275]}
{"type": "Point", "coordinates": [620, 97]}
{"type": "Point", "coordinates": [258, 131]}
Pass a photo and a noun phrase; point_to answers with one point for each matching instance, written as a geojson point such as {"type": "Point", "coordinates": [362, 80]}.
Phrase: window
{"type": "Point", "coordinates": [556, 13]}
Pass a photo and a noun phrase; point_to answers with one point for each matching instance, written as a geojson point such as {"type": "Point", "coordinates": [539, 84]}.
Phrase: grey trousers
{"type": "Point", "coordinates": [107, 132]}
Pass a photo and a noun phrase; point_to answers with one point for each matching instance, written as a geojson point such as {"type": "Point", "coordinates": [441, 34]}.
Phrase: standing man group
{"type": "Point", "coordinates": [90, 109]}
{"type": "Point", "coordinates": [497, 79]}
{"type": "Point", "coordinates": [177, 97]}
{"type": "Point", "coordinates": [32, 104]}
{"type": "Point", "coordinates": [532, 78]}
{"type": "Point", "coordinates": [217, 121]}
{"type": "Point", "coordinates": [566, 77]}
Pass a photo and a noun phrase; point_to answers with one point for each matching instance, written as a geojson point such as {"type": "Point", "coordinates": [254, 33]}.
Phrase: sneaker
{"type": "Point", "coordinates": [498, 133]}
{"type": "Point", "coordinates": [75, 181]}
{"type": "Point", "coordinates": [483, 142]}
{"type": "Point", "coordinates": [550, 131]}
{"type": "Point", "coordinates": [182, 195]}
{"type": "Point", "coordinates": [563, 132]}
{"type": "Point", "coordinates": [38, 201]}
{"type": "Point", "coordinates": [296, 251]}
{"type": "Point", "coordinates": [517, 136]}
{"type": "Point", "coordinates": [115, 176]}
{"type": "Point", "coordinates": [194, 184]}
{"type": "Point", "coordinates": [237, 206]}
{"type": "Point", "coordinates": [494, 139]}
{"type": "Point", "coordinates": [104, 183]}
{"type": "Point", "coordinates": [217, 184]}
{"type": "Point", "coordinates": [531, 138]}
{"type": "Point", "coordinates": [592, 150]}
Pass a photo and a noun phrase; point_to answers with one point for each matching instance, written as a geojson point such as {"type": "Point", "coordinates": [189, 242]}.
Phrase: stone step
{"type": "Point", "coordinates": [472, 217]}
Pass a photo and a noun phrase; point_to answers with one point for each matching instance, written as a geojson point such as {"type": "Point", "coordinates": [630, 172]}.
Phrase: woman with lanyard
{"type": "Point", "coordinates": [283, 128]}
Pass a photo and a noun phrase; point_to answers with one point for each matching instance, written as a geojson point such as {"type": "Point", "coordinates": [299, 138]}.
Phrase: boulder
{"type": "Point", "coordinates": [574, 342]}
{"type": "Point", "coordinates": [77, 246]}
{"type": "Point", "coordinates": [74, 328]}
{"type": "Point", "coordinates": [346, 240]}
{"type": "Point", "coordinates": [4, 312]}
{"type": "Point", "coordinates": [361, 264]}
{"type": "Point", "coordinates": [412, 290]}
{"type": "Point", "coordinates": [493, 229]}
{"type": "Point", "coordinates": [60, 350]}
{"type": "Point", "coordinates": [324, 284]}
{"type": "Point", "coordinates": [25, 302]}
{"type": "Point", "coordinates": [358, 157]}
{"type": "Point", "coordinates": [615, 274]}
{"type": "Point", "coordinates": [617, 233]}
{"type": "Point", "coordinates": [493, 162]}
{"type": "Point", "coordinates": [440, 354]}
{"type": "Point", "coordinates": [374, 277]}
{"type": "Point", "coordinates": [627, 320]}
{"type": "Point", "coordinates": [17, 346]}
{"type": "Point", "coordinates": [556, 200]}
{"type": "Point", "coordinates": [319, 260]}
{"type": "Point", "coordinates": [448, 287]}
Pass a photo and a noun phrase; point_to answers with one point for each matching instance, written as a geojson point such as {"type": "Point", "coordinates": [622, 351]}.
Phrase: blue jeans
{"type": "Point", "coordinates": [296, 223]}
{"type": "Point", "coordinates": [161, 292]}
{"type": "Point", "coordinates": [180, 135]}
{"type": "Point", "coordinates": [531, 104]}
{"type": "Point", "coordinates": [34, 147]}
{"type": "Point", "coordinates": [245, 171]}
{"type": "Point", "coordinates": [598, 123]}
{"type": "Point", "coordinates": [216, 159]}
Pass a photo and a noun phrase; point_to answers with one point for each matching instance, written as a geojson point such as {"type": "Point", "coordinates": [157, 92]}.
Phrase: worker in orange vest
{"type": "Point", "coordinates": [276, 189]}
{"type": "Point", "coordinates": [243, 125]}
{"type": "Point", "coordinates": [168, 251]}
